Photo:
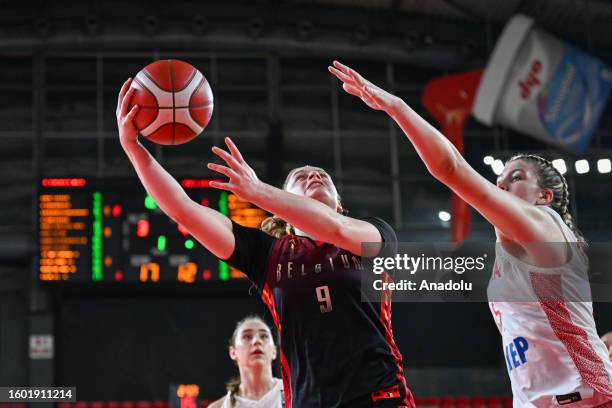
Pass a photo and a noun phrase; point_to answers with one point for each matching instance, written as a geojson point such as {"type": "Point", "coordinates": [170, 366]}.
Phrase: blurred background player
{"type": "Point", "coordinates": [554, 355]}
{"type": "Point", "coordinates": [253, 350]}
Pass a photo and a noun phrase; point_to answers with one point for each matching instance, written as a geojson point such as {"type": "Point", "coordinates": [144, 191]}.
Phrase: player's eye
{"type": "Point", "coordinates": [515, 178]}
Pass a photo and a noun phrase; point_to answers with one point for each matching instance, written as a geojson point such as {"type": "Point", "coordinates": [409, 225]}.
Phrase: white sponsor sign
{"type": "Point", "coordinates": [41, 346]}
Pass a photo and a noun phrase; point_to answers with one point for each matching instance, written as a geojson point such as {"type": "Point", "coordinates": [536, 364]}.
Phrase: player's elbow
{"type": "Point", "coordinates": [445, 169]}
{"type": "Point", "coordinates": [181, 212]}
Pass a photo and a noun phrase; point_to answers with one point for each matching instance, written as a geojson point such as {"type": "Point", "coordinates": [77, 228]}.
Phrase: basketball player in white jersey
{"type": "Point", "coordinates": [553, 354]}
{"type": "Point", "coordinates": [252, 348]}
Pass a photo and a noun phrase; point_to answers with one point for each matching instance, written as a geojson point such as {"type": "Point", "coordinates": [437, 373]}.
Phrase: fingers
{"type": "Point", "coordinates": [233, 149]}
{"type": "Point", "coordinates": [350, 72]}
{"type": "Point", "coordinates": [132, 113]}
{"type": "Point", "coordinates": [124, 89]}
{"type": "Point", "coordinates": [341, 66]}
{"type": "Point", "coordinates": [226, 171]}
{"type": "Point", "coordinates": [228, 158]}
{"type": "Point", "coordinates": [125, 103]}
{"type": "Point", "coordinates": [220, 185]}
{"type": "Point", "coordinates": [340, 75]}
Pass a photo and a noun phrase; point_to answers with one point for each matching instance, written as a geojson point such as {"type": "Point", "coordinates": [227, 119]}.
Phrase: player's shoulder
{"type": "Point", "coordinates": [217, 404]}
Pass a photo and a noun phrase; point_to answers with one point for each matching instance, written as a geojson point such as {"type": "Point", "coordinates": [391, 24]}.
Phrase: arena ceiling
{"type": "Point", "coordinates": [426, 38]}
{"type": "Point", "coordinates": [397, 29]}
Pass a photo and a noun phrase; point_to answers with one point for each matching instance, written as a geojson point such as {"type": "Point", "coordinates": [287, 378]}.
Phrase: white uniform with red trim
{"type": "Point", "coordinates": [553, 354]}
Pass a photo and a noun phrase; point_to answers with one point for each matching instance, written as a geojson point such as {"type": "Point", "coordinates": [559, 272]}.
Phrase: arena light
{"type": "Point", "coordinates": [604, 166]}
{"type": "Point", "coordinates": [444, 216]}
{"type": "Point", "coordinates": [559, 164]}
{"type": "Point", "coordinates": [582, 166]}
{"type": "Point", "coordinates": [498, 167]}
{"type": "Point", "coordinates": [488, 160]}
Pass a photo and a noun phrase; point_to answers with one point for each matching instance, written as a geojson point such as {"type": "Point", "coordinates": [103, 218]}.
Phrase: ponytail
{"type": "Point", "coordinates": [233, 386]}
{"type": "Point", "coordinates": [276, 227]}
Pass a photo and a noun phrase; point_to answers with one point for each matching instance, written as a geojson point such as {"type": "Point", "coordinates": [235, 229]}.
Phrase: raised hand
{"type": "Point", "coordinates": [354, 84]}
{"type": "Point", "coordinates": [242, 178]}
{"type": "Point", "coordinates": [125, 119]}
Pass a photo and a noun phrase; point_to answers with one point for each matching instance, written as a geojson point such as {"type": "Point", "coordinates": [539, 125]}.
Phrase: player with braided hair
{"type": "Point", "coordinates": [549, 177]}
{"type": "Point", "coordinates": [553, 353]}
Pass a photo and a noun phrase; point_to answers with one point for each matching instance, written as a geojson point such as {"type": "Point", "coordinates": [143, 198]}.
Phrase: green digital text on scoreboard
{"type": "Point", "coordinates": [111, 230]}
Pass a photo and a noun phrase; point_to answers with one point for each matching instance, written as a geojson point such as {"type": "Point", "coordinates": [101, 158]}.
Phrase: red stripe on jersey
{"type": "Point", "coordinates": [391, 392]}
{"type": "Point", "coordinates": [590, 366]}
{"type": "Point", "coordinates": [286, 380]}
{"type": "Point", "coordinates": [385, 318]}
{"type": "Point", "coordinates": [268, 299]}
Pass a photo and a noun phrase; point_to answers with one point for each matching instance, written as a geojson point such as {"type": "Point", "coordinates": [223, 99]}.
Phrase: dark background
{"type": "Point", "coordinates": [62, 64]}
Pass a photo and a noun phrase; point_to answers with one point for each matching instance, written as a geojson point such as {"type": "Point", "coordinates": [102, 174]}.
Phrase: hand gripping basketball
{"type": "Point", "coordinates": [242, 178]}
{"type": "Point", "coordinates": [125, 119]}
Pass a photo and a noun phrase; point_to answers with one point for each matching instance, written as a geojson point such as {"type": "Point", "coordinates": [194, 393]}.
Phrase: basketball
{"type": "Point", "coordinates": [175, 102]}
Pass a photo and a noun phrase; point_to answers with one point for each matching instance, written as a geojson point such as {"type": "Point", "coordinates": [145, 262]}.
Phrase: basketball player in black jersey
{"type": "Point", "coordinates": [336, 350]}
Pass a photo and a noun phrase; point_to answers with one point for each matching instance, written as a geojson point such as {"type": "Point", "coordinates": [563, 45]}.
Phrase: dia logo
{"type": "Point", "coordinates": [531, 80]}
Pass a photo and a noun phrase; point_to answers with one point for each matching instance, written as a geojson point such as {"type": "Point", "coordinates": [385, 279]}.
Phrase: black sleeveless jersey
{"type": "Point", "coordinates": [336, 350]}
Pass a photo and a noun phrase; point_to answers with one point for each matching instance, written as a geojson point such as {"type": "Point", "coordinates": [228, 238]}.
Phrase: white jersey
{"type": "Point", "coordinates": [553, 354]}
{"type": "Point", "coordinates": [272, 399]}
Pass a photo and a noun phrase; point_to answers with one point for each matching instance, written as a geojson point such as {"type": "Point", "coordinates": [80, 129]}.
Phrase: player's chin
{"type": "Point", "coordinates": [320, 194]}
{"type": "Point", "coordinates": [259, 359]}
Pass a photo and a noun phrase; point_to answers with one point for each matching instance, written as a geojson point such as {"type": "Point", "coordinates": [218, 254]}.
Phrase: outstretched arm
{"type": "Point", "coordinates": [211, 228]}
{"type": "Point", "coordinates": [306, 214]}
{"type": "Point", "coordinates": [514, 217]}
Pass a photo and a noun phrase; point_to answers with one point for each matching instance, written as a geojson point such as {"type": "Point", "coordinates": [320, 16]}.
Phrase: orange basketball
{"type": "Point", "coordinates": [175, 102]}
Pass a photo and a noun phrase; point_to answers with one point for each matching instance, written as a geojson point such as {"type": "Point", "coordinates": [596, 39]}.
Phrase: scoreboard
{"type": "Point", "coordinates": [111, 230]}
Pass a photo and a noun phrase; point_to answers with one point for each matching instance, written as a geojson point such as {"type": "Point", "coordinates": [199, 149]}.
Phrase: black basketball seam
{"type": "Point", "coordinates": [159, 127]}
{"type": "Point", "coordinates": [193, 74]}
{"type": "Point", "coordinates": [188, 127]}
{"type": "Point", "coordinates": [157, 114]}
{"type": "Point", "coordinates": [153, 80]}
{"type": "Point", "coordinates": [194, 92]}
{"type": "Point", "coordinates": [178, 107]}
{"type": "Point", "coordinates": [173, 103]}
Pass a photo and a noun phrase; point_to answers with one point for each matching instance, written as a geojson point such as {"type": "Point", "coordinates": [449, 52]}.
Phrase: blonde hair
{"type": "Point", "coordinates": [550, 178]}
{"type": "Point", "coordinates": [276, 226]}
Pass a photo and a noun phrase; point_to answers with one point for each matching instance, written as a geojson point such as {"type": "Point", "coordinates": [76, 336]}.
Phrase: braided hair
{"type": "Point", "coordinates": [550, 178]}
